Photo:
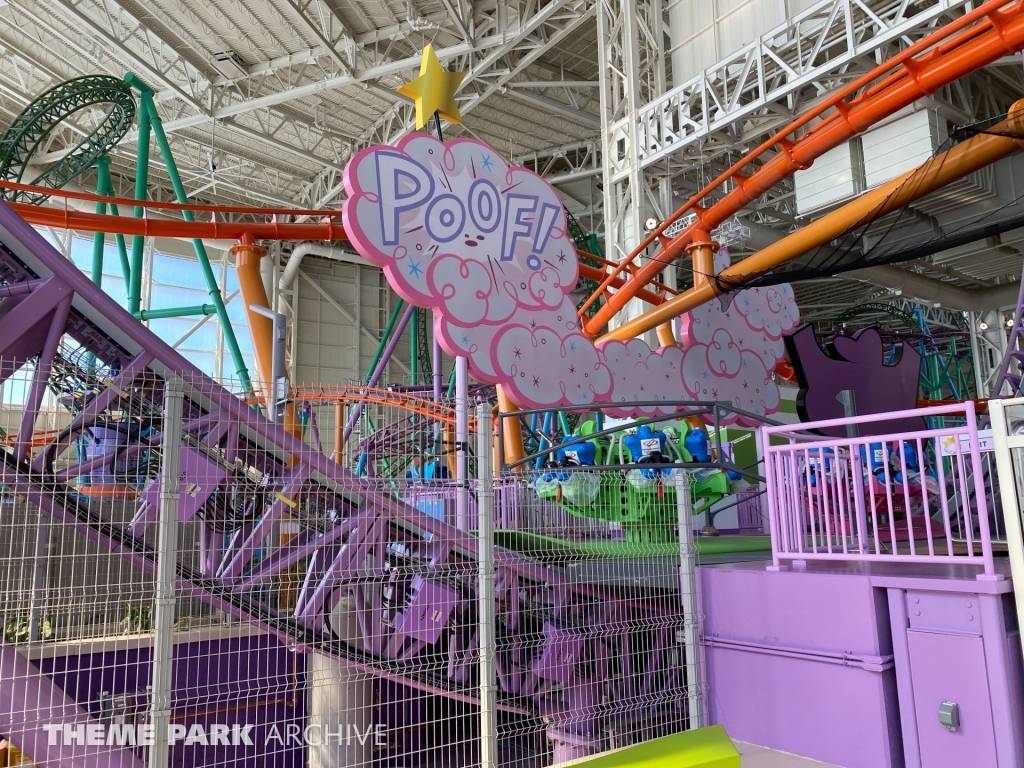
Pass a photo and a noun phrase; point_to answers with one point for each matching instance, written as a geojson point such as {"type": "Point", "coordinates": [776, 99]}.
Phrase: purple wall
{"type": "Point", "coordinates": [802, 662]}
{"type": "Point", "coordinates": [233, 681]}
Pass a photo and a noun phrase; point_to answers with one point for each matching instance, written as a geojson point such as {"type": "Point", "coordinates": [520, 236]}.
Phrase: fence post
{"type": "Point", "coordinates": [485, 550]}
{"type": "Point", "coordinates": [1006, 480]}
{"type": "Point", "coordinates": [462, 521]}
{"type": "Point", "coordinates": [980, 497]}
{"type": "Point", "coordinates": [688, 597]}
{"type": "Point", "coordinates": [166, 572]}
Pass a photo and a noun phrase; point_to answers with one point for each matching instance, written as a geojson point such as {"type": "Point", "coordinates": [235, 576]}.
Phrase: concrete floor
{"type": "Point", "coordinates": [753, 756]}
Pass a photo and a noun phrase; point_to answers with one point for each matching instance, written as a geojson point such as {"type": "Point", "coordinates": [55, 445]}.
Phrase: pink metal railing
{"type": "Point", "coordinates": [861, 498]}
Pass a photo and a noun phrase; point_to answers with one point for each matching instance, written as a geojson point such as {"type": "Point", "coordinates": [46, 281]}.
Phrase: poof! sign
{"type": "Point", "coordinates": [431, 214]}
{"type": "Point", "coordinates": [486, 247]}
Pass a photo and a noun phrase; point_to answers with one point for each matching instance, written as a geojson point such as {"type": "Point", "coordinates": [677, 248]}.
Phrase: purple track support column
{"type": "Point", "coordinates": [40, 377]}
{"type": "Point", "coordinates": [377, 372]}
{"type": "Point", "coordinates": [19, 327]}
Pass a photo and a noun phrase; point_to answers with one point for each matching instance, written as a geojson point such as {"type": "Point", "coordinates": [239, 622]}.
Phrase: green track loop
{"type": "Point", "coordinates": [25, 135]}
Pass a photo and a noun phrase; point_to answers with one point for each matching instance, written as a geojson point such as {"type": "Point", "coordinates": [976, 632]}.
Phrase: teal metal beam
{"type": "Point", "coordinates": [382, 345]}
{"type": "Point", "coordinates": [414, 347]}
{"type": "Point", "coordinates": [141, 184]}
{"type": "Point", "coordinates": [152, 117]}
{"type": "Point", "coordinates": [102, 182]}
{"type": "Point", "coordinates": [159, 314]}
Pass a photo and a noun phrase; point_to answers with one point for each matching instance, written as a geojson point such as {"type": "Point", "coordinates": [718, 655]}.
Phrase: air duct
{"type": "Point", "coordinates": [302, 250]}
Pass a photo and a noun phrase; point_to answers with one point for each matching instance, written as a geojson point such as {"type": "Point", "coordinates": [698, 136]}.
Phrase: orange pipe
{"type": "Point", "coordinates": [339, 431]}
{"type": "Point", "coordinates": [512, 430]}
{"type": "Point", "coordinates": [993, 37]}
{"type": "Point", "coordinates": [127, 202]}
{"type": "Point", "coordinates": [250, 283]}
{"type": "Point", "coordinates": [961, 160]}
{"type": "Point", "coordinates": [325, 230]}
{"type": "Point", "coordinates": [206, 230]}
{"type": "Point", "coordinates": [702, 252]}
{"type": "Point", "coordinates": [665, 336]}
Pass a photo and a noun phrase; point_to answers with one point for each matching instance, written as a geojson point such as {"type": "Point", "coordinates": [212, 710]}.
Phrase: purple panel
{"type": "Point", "coordinates": [952, 668]}
{"type": "Point", "coordinates": [830, 712]}
{"type": "Point", "coordinates": [944, 612]}
{"type": "Point", "coordinates": [248, 680]}
{"type": "Point", "coordinates": [814, 611]}
{"type": "Point", "coordinates": [780, 645]}
{"type": "Point", "coordinates": [29, 701]}
{"type": "Point", "coordinates": [428, 610]}
{"type": "Point", "coordinates": [561, 651]}
{"type": "Point", "coordinates": [199, 478]}
{"type": "Point", "coordinates": [855, 363]}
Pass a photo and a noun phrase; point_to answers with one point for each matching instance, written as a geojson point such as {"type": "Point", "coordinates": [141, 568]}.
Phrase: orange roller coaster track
{"type": "Point", "coordinates": [974, 40]}
{"type": "Point", "coordinates": [321, 395]}
{"type": "Point", "coordinates": [325, 229]}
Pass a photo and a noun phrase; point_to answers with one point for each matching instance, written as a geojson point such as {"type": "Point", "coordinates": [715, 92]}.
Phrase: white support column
{"type": "Point", "coordinates": [166, 573]}
{"type": "Point", "coordinates": [461, 442]}
{"type": "Point", "coordinates": [1009, 486]}
{"type": "Point", "coordinates": [688, 598]}
{"type": "Point", "coordinates": [486, 611]}
{"type": "Point", "coordinates": [631, 67]}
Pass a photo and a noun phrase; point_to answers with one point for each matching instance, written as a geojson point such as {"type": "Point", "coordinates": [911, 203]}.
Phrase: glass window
{"type": "Point", "coordinates": [16, 387]}
{"type": "Point", "coordinates": [175, 282]}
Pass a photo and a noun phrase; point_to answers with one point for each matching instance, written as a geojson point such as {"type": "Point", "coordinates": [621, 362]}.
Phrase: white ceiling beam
{"type": "Point", "coordinates": [557, 108]}
{"type": "Point", "coordinates": [77, 16]}
{"type": "Point", "coordinates": [555, 84]}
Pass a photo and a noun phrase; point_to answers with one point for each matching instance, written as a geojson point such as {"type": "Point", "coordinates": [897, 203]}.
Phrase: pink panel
{"type": "Point", "coordinates": [949, 667]}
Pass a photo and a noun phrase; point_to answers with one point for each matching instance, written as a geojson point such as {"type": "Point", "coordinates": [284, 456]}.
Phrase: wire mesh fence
{"type": "Point", "coordinates": [212, 589]}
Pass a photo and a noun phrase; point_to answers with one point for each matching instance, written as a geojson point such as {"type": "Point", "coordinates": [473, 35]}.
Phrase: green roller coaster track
{"type": "Point", "coordinates": [25, 135]}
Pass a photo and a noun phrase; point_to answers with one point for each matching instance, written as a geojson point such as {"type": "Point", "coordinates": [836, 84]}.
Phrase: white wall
{"type": "Point", "coordinates": [703, 32]}
{"type": "Point", "coordinates": [330, 349]}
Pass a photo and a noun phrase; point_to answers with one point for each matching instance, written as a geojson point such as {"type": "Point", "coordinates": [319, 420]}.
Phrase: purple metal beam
{"type": "Point", "coordinates": [263, 528]}
{"type": "Point", "coordinates": [26, 322]}
{"type": "Point", "coordinates": [40, 377]}
{"type": "Point", "coordinates": [94, 408]}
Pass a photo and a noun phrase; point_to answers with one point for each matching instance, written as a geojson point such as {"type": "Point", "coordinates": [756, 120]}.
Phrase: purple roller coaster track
{"type": "Point", "coordinates": [563, 645]}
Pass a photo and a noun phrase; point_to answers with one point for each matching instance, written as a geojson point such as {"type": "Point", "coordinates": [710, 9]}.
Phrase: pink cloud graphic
{"type": "Point", "coordinates": [486, 247]}
{"type": "Point", "coordinates": [640, 375]}
{"type": "Point", "coordinates": [721, 371]}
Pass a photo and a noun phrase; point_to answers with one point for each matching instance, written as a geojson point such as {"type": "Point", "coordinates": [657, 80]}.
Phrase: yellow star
{"type": "Point", "coordinates": [434, 90]}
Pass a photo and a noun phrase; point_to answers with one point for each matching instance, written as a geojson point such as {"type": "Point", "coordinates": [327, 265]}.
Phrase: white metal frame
{"type": "Point", "coordinates": [1008, 483]}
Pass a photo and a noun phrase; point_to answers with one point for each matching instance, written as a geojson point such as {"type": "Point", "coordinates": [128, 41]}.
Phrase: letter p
{"type": "Point", "coordinates": [404, 185]}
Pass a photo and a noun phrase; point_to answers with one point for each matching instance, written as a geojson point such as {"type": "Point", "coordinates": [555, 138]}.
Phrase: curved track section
{"type": "Point", "coordinates": [411, 578]}
{"type": "Point", "coordinates": [976, 39]}
{"type": "Point", "coordinates": [25, 135]}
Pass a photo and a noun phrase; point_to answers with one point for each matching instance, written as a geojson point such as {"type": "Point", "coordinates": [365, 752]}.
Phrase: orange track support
{"type": "Point", "coordinates": [932, 63]}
